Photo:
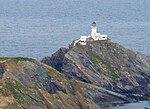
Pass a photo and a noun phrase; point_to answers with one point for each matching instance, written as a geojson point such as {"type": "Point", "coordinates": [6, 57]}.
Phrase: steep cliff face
{"type": "Point", "coordinates": [122, 73]}
{"type": "Point", "coordinates": [56, 59]}
{"type": "Point", "coordinates": [28, 84]}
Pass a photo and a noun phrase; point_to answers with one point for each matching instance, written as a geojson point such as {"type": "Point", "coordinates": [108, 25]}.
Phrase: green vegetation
{"type": "Point", "coordinates": [87, 101]}
{"type": "Point", "coordinates": [14, 105]}
{"type": "Point", "coordinates": [4, 58]}
{"type": "Point", "coordinates": [20, 94]}
{"type": "Point", "coordinates": [114, 74]}
{"type": "Point", "coordinates": [55, 75]}
{"type": "Point", "coordinates": [109, 68]}
{"type": "Point", "coordinates": [16, 59]}
{"type": "Point", "coordinates": [14, 88]}
{"type": "Point", "coordinates": [96, 58]}
{"type": "Point", "coordinates": [59, 78]}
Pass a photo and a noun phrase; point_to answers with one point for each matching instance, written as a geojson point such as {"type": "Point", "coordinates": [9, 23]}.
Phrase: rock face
{"type": "Point", "coordinates": [56, 59]}
{"type": "Point", "coordinates": [28, 84]}
{"type": "Point", "coordinates": [1, 70]}
{"type": "Point", "coordinates": [114, 74]}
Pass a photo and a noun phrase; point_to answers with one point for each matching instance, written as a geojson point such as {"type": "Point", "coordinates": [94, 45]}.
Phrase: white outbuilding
{"type": "Point", "coordinates": [94, 35]}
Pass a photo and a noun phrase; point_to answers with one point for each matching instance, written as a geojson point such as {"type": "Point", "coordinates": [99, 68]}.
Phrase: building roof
{"type": "Point", "coordinates": [94, 24]}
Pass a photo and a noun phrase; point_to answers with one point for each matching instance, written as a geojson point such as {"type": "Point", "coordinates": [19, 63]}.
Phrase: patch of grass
{"type": "Point", "coordinates": [19, 92]}
{"type": "Point", "coordinates": [13, 88]}
{"type": "Point", "coordinates": [4, 58]}
{"type": "Point", "coordinates": [22, 95]}
{"type": "Point", "coordinates": [109, 68]}
{"type": "Point", "coordinates": [55, 74]}
{"type": "Point", "coordinates": [60, 79]}
{"type": "Point", "coordinates": [87, 101]}
{"type": "Point", "coordinates": [113, 73]}
{"type": "Point", "coordinates": [96, 58]}
{"type": "Point", "coordinates": [16, 59]}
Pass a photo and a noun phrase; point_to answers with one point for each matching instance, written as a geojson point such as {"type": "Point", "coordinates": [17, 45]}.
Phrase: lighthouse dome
{"type": "Point", "coordinates": [94, 24]}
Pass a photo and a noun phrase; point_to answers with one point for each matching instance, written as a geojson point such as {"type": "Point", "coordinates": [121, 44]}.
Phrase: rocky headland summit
{"type": "Point", "coordinates": [100, 73]}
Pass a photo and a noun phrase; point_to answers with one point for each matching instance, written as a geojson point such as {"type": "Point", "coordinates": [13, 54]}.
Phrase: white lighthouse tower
{"type": "Point", "coordinates": [94, 35]}
{"type": "Point", "coordinates": [93, 29]}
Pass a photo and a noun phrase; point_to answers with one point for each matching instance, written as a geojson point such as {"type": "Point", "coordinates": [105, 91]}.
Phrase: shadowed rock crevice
{"type": "Point", "coordinates": [2, 70]}
{"type": "Point", "coordinates": [57, 59]}
{"type": "Point", "coordinates": [52, 88]}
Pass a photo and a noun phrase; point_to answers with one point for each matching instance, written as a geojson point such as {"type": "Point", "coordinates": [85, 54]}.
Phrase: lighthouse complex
{"type": "Point", "coordinates": [94, 36]}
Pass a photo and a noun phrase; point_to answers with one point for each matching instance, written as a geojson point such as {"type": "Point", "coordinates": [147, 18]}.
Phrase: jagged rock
{"type": "Point", "coordinates": [108, 65]}
{"type": "Point", "coordinates": [57, 62]}
{"type": "Point", "coordinates": [29, 84]}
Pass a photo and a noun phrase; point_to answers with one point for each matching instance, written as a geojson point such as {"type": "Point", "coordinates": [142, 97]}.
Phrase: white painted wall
{"type": "Point", "coordinates": [93, 31]}
{"type": "Point", "coordinates": [83, 38]}
{"type": "Point", "coordinates": [103, 37]}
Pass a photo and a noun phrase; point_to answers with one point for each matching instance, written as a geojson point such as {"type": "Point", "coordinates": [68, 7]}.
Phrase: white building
{"type": "Point", "coordinates": [82, 40]}
{"type": "Point", "coordinates": [94, 35]}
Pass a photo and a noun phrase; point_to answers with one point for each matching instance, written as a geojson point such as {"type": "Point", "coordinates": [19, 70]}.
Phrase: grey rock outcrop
{"type": "Point", "coordinates": [1, 70]}
{"type": "Point", "coordinates": [28, 84]}
{"type": "Point", "coordinates": [57, 62]}
{"type": "Point", "coordinates": [107, 65]}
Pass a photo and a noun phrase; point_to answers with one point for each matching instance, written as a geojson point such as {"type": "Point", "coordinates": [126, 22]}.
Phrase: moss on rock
{"type": "Point", "coordinates": [104, 67]}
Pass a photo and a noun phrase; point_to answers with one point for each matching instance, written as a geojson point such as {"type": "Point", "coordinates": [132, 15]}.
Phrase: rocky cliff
{"type": "Point", "coordinates": [111, 73]}
{"type": "Point", "coordinates": [28, 84]}
{"type": "Point", "coordinates": [101, 73]}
